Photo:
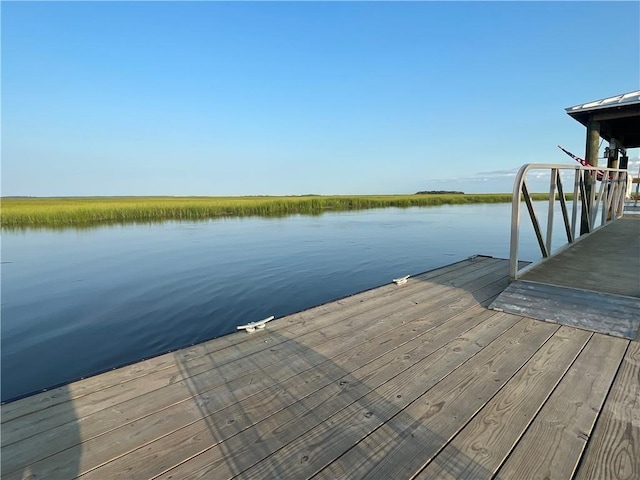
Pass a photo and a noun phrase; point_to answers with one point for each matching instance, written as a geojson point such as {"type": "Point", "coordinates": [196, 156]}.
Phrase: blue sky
{"type": "Point", "coordinates": [243, 98]}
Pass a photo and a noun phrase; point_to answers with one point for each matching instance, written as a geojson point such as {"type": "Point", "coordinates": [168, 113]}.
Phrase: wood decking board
{"type": "Point", "coordinates": [263, 404]}
{"type": "Point", "coordinates": [599, 312]}
{"type": "Point", "coordinates": [340, 416]}
{"type": "Point", "coordinates": [552, 446]}
{"type": "Point", "coordinates": [482, 446]}
{"type": "Point", "coordinates": [420, 379]}
{"type": "Point", "coordinates": [249, 414]}
{"type": "Point", "coordinates": [402, 445]}
{"type": "Point", "coordinates": [614, 447]}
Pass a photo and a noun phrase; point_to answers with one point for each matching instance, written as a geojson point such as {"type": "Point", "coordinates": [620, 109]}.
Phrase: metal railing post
{"type": "Point", "coordinates": [574, 212]}
{"type": "Point", "coordinates": [515, 223]}
{"type": "Point", "coordinates": [563, 207]}
{"type": "Point", "coordinates": [552, 202]}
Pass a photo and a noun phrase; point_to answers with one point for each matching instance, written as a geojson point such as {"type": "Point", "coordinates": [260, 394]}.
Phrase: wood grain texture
{"type": "Point", "coordinates": [552, 446]}
{"type": "Point", "coordinates": [402, 446]}
{"type": "Point", "coordinates": [307, 437]}
{"type": "Point", "coordinates": [613, 451]}
{"type": "Point", "coordinates": [230, 412]}
{"type": "Point", "coordinates": [481, 447]}
{"type": "Point", "coordinates": [182, 417]}
{"type": "Point", "coordinates": [604, 313]}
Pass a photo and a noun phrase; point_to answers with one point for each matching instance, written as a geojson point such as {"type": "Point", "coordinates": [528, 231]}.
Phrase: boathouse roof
{"type": "Point", "coordinates": [619, 117]}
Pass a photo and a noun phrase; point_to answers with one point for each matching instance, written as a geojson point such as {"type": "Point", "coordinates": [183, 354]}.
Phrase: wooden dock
{"type": "Point", "coordinates": [414, 381]}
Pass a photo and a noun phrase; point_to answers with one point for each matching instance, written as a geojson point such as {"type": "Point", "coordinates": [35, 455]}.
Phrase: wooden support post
{"type": "Point", "coordinates": [591, 156]}
{"type": "Point", "coordinates": [593, 140]}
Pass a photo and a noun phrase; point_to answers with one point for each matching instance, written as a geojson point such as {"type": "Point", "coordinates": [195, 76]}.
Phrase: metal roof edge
{"type": "Point", "coordinates": [630, 98]}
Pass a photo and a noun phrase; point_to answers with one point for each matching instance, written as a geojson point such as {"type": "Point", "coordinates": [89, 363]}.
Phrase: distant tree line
{"type": "Point", "coordinates": [439, 192]}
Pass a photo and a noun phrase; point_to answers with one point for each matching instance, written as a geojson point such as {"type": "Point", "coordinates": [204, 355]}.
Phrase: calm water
{"type": "Point", "coordinates": [75, 303]}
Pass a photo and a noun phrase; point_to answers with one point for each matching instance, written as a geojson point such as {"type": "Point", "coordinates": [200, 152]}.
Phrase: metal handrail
{"type": "Point", "coordinates": [610, 196]}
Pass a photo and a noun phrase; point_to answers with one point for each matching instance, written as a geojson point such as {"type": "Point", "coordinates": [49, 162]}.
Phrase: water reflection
{"type": "Point", "coordinates": [98, 225]}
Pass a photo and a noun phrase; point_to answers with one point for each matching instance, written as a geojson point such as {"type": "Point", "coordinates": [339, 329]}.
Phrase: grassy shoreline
{"type": "Point", "coordinates": [60, 212]}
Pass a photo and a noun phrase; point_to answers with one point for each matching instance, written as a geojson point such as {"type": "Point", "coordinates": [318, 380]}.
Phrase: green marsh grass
{"type": "Point", "coordinates": [63, 212]}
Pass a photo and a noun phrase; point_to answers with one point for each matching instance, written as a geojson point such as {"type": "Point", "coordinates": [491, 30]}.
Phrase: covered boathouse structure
{"type": "Point", "coordinates": [614, 119]}
{"type": "Point", "coordinates": [482, 369]}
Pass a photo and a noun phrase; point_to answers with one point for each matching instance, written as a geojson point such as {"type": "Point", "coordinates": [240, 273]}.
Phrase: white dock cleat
{"type": "Point", "coordinates": [401, 280]}
{"type": "Point", "coordinates": [253, 326]}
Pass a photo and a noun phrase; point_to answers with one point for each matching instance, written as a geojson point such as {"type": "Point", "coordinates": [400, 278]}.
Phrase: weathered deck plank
{"type": "Point", "coordinates": [599, 312]}
{"type": "Point", "coordinates": [482, 446]}
{"type": "Point", "coordinates": [184, 421]}
{"type": "Point", "coordinates": [344, 363]}
{"type": "Point", "coordinates": [552, 446]}
{"type": "Point", "coordinates": [402, 445]}
{"type": "Point", "coordinates": [614, 449]}
{"type": "Point", "coordinates": [331, 422]}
